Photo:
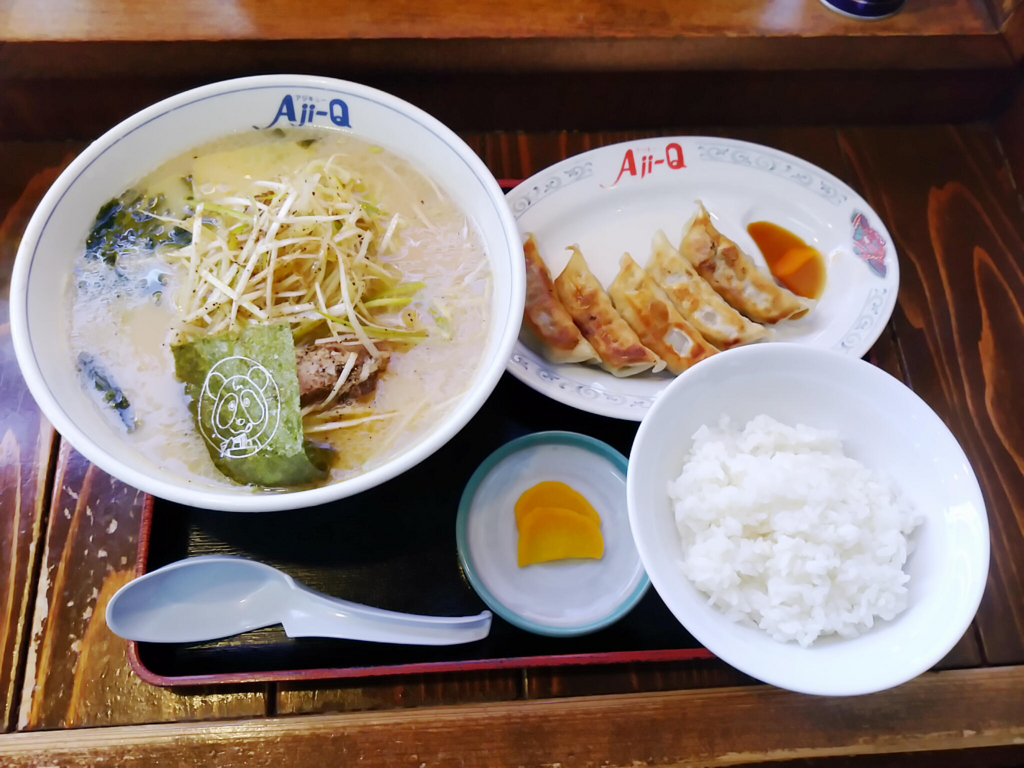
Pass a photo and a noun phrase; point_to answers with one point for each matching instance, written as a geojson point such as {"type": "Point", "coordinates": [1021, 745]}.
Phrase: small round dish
{"type": "Point", "coordinates": [558, 599]}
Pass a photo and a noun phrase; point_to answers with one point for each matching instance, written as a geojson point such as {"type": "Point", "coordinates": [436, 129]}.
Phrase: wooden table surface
{"type": "Point", "coordinates": [68, 537]}
{"type": "Point", "coordinates": [73, 68]}
{"type": "Point", "coordinates": [532, 35]}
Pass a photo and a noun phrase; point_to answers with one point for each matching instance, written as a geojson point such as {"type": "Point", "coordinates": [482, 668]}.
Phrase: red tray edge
{"type": "Point", "coordinates": [577, 659]}
{"type": "Point", "coordinates": [582, 659]}
{"type": "Point", "coordinates": [519, 662]}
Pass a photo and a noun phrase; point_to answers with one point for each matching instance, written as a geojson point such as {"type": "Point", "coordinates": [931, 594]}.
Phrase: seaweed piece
{"type": "Point", "coordinates": [244, 396]}
{"type": "Point", "coordinates": [306, 143]}
{"type": "Point", "coordinates": [128, 223]}
{"type": "Point", "coordinates": [110, 394]}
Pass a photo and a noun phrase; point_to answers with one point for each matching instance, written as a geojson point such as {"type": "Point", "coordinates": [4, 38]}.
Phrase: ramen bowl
{"type": "Point", "coordinates": [55, 238]}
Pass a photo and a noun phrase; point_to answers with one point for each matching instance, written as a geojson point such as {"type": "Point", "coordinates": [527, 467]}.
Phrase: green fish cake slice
{"type": "Point", "coordinates": [244, 396]}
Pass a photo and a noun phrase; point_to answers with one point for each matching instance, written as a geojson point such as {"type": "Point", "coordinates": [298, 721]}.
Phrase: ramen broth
{"type": "Point", "coordinates": [127, 318]}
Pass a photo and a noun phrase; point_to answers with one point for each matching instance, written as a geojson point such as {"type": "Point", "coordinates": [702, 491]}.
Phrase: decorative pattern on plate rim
{"type": "Point", "coordinates": [777, 166]}
{"type": "Point", "coordinates": [868, 245]}
{"type": "Point", "coordinates": [865, 320]}
{"type": "Point", "coordinates": [541, 371]}
{"type": "Point", "coordinates": [560, 180]}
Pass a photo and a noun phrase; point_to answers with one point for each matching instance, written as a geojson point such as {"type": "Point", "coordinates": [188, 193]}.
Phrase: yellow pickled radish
{"type": "Point", "coordinates": [555, 533]}
{"type": "Point", "coordinates": [797, 265]}
{"type": "Point", "coordinates": [793, 260]}
{"type": "Point", "coordinates": [552, 493]}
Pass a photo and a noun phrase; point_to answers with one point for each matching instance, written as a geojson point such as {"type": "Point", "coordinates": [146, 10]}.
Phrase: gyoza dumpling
{"type": "Point", "coordinates": [697, 301]}
{"type": "Point", "coordinates": [561, 340]}
{"type": "Point", "coordinates": [650, 313]}
{"type": "Point", "coordinates": [581, 294]}
{"type": "Point", "coordinates": [735, 276]}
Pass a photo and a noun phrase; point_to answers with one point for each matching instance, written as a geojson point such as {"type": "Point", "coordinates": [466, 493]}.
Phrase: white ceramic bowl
{"type": "Point", "coordinates": [884, 425]}
{"type": "Point", "coordinates": [56, 234]}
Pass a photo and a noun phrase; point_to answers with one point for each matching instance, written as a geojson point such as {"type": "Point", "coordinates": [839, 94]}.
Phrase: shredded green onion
{"type": "Point", "coordinates": [391, 303]}
{"type": "Point", "coordinates": [223, 209]}
{"type": "Point", "coordinates": [379, 332]}
{"type": "Point", "coordinates": [282, 254]}
{"type": "Point", "coordinates": [402, 289]}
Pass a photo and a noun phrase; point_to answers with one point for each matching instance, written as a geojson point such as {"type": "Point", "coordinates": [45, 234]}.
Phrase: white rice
{"type": "Point", "coordinates": [780, 529]}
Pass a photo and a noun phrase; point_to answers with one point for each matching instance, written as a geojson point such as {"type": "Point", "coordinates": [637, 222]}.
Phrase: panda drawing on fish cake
{"type": "Point", "coordinates": [239, 407]}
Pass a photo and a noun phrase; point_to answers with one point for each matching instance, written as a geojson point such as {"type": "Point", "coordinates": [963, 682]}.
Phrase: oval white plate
{"type": "Point", "coordinates": [612, 200]}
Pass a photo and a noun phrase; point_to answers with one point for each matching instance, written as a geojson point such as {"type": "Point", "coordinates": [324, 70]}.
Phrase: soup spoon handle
{"type": "Point", "coordinates": [312, 614]}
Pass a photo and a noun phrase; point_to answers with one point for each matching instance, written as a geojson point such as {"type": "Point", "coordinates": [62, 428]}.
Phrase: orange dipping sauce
{"type": "Point", "coordinates": [797, 265]}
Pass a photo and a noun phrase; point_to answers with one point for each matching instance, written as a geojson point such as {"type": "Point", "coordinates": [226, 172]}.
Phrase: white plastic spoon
{"type": "Point", "coordinates": [214, 596]}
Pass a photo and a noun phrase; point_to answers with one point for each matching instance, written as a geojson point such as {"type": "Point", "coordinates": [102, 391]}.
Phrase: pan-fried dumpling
{"type": "Point", "coordinates": [697, 301]}
{"type": "Point", "coordinates": [735, 276]}
{"type": "Point", "coordinates": [561, 340]}
{"type": "Point", "coordinates": [581, 294]}
{"type": "Point", "coordinates": [650, 313]}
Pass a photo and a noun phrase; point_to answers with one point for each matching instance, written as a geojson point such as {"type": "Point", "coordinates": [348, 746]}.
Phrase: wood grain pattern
{"type": "Point", "coordinates": [105, 20]}
{"type": "Point", "coordinates": [698, 728]}
{"type": "Point", "coordinates": [951, 207]}
{"type": "Point", "coordinates": [1010, 129]}
{"type": "Point", "coordinates": [632, 678]}
{"type": "Point", "coordinates": [1001, 10]}
{"type": "Point", "coordinates": [966, 654]}
{"type": "Point", "coordinates": [402, 692]}
{"type": "Point", "coordinates": [78, 60]}
{"type": "Point", "coordinates": [27, 441]}
{"type": "Point", "coordinates": [75, 108]}
{"type": "Point", "coordinates": [77, 674]}
{"type": "Point", "coordinates": [989, 757]}
{"type": "Point", "coordinates": [1012, 31]}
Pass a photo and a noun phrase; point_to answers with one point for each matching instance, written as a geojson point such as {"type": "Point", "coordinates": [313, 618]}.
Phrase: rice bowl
{"type": "Point", "coordinates": [884, 426]}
